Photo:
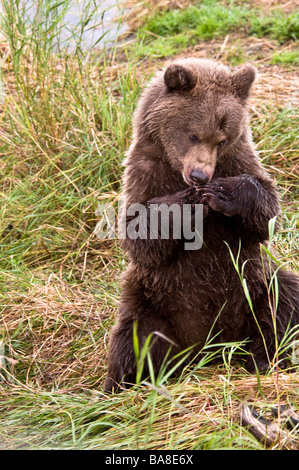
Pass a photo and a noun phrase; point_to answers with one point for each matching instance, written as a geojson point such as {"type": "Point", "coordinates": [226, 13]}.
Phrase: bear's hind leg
{"type": "Point", "coordinates": [122, 367]}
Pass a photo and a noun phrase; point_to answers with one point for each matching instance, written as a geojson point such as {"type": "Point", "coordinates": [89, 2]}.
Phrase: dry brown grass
{"type": "Point", "coordinates": [61, 336]}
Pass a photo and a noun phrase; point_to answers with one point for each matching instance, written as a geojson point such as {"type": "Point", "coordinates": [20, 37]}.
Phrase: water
{"type": "Point", "coordinates": [90, 22]}
{"type": "Point", "coordinates": [103, 29]}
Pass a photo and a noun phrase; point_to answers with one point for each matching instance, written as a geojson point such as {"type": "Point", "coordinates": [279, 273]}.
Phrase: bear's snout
{"type": "Point", "coordinates": [198, 177]}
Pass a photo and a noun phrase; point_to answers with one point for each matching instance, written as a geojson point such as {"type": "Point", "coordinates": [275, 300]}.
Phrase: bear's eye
{"type": "Point", "coordinates": [222, 143]}
{"type": "Point", "coordinates": [194, 139]}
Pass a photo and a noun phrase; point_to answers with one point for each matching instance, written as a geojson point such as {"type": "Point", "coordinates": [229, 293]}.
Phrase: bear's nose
{"type": "Point", "coordinates": [198, 177]}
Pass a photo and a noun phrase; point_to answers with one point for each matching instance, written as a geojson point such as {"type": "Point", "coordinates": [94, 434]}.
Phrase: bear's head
{"type": "Point", "coordinates": [195, 110]}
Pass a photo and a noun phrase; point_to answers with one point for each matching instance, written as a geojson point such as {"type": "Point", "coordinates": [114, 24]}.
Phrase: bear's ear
{"type": "Point", "coordinates": [179, 78]}
{"type": "Point", "coordinates": [242, 80]}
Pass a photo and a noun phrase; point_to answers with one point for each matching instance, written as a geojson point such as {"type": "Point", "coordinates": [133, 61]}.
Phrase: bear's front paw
{"type": "Point", "coordinates": [222, 195]}
{"type": "Point", "coordinates": [194, 196]}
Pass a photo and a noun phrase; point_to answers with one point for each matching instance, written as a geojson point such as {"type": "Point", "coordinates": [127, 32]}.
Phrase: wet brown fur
{"type": "Point", "coordinates": [193, 116]}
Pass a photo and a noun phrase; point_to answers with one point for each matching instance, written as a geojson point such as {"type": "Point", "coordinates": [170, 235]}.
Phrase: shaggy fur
{"type": "Point", "coordinates": [192, 144]}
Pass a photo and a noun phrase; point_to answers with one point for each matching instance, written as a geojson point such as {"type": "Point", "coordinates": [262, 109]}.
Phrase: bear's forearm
{"type": "Point", "coordinates": [258, 204]}
{"type": "Point", "coordinates": [251, 201]}
{"type": "Point", "coordinates": [159, 231]}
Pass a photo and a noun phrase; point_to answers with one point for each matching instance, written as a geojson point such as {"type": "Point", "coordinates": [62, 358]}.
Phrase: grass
{"type": "Point", "coordinates": [136, 421]}
{"type": "Point", "coordinates": [286, 57]}
{"type": "Point", "coordinates": [65, 127]}
{"type": "Point", "coordinates": [174, 30]}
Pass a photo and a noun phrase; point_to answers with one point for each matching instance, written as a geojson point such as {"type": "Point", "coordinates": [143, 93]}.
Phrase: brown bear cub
{"type": "Point", "coordinates": [192, 146]}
